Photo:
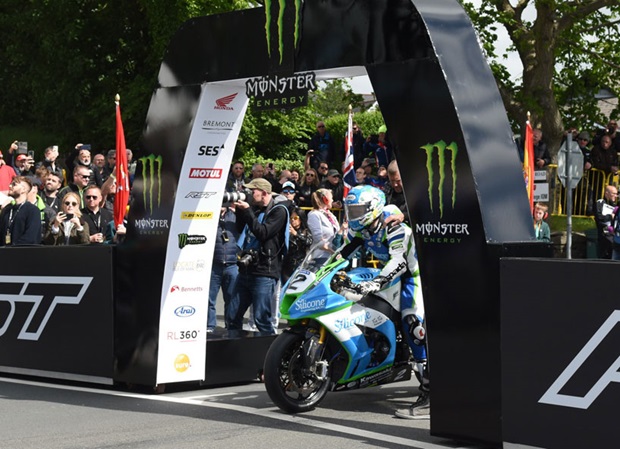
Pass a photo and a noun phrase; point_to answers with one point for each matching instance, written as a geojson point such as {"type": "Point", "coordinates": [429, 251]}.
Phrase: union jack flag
{"type": "Point", "coordinates": [349, 167]}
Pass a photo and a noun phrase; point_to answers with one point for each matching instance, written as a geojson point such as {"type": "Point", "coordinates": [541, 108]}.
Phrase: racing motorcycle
{"type": "Point", "coordinates": [337, 340]}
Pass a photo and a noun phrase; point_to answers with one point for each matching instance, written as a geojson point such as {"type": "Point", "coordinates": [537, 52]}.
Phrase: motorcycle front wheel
{"type": "Point", "coordinates": [289, 386]}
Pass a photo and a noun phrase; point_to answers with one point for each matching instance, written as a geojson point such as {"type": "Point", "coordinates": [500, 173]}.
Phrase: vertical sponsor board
{"type": "Point", "coordinates": [182, 335]}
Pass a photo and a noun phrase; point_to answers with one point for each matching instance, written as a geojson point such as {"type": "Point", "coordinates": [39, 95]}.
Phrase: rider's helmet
{"type": "Point", "coordinates": [363, 205]}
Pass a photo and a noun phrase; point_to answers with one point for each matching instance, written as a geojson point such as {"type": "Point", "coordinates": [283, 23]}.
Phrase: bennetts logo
{"type": "Point", "coordinates": [186, 239]}
{"type": "Point", "coordinates": [223, 103]}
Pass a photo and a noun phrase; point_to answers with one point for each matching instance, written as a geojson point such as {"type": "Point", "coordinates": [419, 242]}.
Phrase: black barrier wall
{"type": "Point", "coordinates": [56, 312]}
{"type": "Point", "coordinates": [463, 181]}
{"type": "Point", "coordinates": [560, 382]}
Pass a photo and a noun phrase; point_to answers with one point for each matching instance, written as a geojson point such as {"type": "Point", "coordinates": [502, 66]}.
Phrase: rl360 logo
{"type": "Point", "coordinates": [440, 148]}
{"type": "Point", "coordinates": [151, 177]}
{"type": "Point", "coordinates": [42, 294]}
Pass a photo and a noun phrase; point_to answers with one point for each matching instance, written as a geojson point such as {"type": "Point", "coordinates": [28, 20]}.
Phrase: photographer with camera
{"type": "Point", "coordinates": [263, 241]}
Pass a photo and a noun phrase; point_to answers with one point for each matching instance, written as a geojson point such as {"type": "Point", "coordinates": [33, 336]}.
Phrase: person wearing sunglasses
{"type": "Point", "coordinates": [20, 221]}
{"type": "Point", "coordinates": [308, 186]}
{"type": "Point", "coordinates": [68, 228]}
{"type": "Point", "coordinates": [81, 180]}
{"type": "Point", "coordinates": [97, 219]}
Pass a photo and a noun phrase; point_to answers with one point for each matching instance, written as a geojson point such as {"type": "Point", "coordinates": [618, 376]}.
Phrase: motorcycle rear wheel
{"type": "Point", "coordinates": [288, 386]}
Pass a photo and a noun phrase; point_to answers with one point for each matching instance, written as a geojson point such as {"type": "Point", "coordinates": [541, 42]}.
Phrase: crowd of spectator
{"type": "Point", "coordinates": [57, 201]}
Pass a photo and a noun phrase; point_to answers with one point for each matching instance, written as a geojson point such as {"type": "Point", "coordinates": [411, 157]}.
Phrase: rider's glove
{"type": "Point", "coordinates": [368, 287]}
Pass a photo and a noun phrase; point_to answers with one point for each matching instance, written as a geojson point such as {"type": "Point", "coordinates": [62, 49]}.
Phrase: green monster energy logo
{"type": "Point", "coordinates": [149, 177]}
{"type": "Point", "coordinates": [441, 149]}
{"type": "Point", "coordinates": [186, 239]}
{"type": "Point", "coordinates": [280, 22]}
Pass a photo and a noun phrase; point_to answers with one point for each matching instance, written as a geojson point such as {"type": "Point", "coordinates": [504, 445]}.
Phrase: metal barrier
{"type": "Point", "coordinates": [590, 188]}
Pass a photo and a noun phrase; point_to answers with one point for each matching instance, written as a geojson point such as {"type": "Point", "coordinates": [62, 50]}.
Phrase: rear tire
{"type": "Point", "coordinates": [288, 386]}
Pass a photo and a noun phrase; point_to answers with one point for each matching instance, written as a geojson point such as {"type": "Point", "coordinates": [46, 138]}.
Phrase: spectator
{"type": "Point", "coordinates": [321, 147]}
{"type": "Point", "coordinates": [7, 173]}
{"type": "Point", "coordinates": [99, 163]}
{"type": "Point", "coordinates": [46, 213]}
{"type": "Point", "coordinates": [68, 228]}
{"type": "Point", "coordinates": [289, 192]}
{"type": "Point", "coordinates": [24, 165]}
{"type": "Point", "coordinates": [20, 222]}
{"type": "Point", "coordinates": [360, 176]}
{"type": "Point", "coordinates": [284, 177]}
{"type": "Point", "coordinates": [300, 241]}
{"type": "Point", "coordinates": [606, 210]}
{"type": "Point", "coordinates": [308, 186]}
{"type": "Point", "coordinates": [542, 158]}
{"type": "Point", "coordinates": [543, 232]}
{"type": "Point", "coordinates": [322, 171]}
{"type": "Point", "coordinates": [383, 151]}
{"type": "Point", "coordinates": [612, 132]}
{"type": "Point", "coordinates": [358, 146]}
{"type": "Point", "coordinates": [49, 193]}
{"type": "Point", "coordinates": [110, 165]}
{"type": "Point", "coordinates": [295, 177]}
{"type": "Point", "coordinates": [108, 192]}
{"type": "Point", "coordinates": [224, 271]}
{"type": "Point", "coordinates": [236, 177]}
{"type": "Point", "coordinates": [97, 219]}
{"type": "Point", "coordinates": [335, 184]}
{"type": "Point", "coordinates": [51, 162]}
{"type": "Point", "coordinates": [257, 171]}
{"type": "Point", "coordinates": [263, 241]}
{"type": "Point", "coordinates": [604, 157]}
{"type": "Point", "coordinates": [582, 140]}
{"type": "Point", "coordinates": [83, 159]}
{"type": "Point", "coordinates": [81, 179]}
{"type": "Point", "coordinates": [394, 190]}
{"type": "Point", "coordinates": [323, 224]}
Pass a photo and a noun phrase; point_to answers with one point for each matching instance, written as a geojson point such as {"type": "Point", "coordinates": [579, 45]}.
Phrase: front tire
{"type": "Point", "coordinates": [290, 387]}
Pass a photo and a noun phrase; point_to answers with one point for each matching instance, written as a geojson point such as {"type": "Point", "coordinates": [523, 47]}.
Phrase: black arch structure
{"type": "Point", "coordinates": [460, 169]}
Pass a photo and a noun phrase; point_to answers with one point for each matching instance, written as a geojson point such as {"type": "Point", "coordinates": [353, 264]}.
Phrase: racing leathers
{"type": "Point", "coordinates": [393, 245]}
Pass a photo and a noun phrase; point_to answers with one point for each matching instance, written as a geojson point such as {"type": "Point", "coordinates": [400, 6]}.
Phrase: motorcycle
{"type": "Point", "coordinates": [337, 340]}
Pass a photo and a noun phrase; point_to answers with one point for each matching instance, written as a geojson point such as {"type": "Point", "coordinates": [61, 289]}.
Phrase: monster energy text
{"type": "Point", "coordinates": [186, 239]}
{"type": "Point", "coordinates": [280, 92]}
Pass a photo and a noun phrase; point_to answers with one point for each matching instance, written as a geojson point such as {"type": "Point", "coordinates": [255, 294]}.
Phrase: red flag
{"type": "Point", "coordinates": [122, 173]}
{"type": "Point", "coordinates": [348, 171]}
{"type": "Point", "coordinates": [528, 163]}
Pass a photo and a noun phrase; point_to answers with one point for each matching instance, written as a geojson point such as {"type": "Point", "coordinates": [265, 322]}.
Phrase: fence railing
{"type": "Point", "coordinates": [590, 188]}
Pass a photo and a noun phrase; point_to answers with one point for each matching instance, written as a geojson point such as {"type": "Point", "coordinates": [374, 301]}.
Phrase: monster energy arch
{"type": "Point", "coordinates": [462, 180]}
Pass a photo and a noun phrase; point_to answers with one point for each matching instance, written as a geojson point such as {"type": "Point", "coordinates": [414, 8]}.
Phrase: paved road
{"type": "Point", "coordinates": [39, 414]}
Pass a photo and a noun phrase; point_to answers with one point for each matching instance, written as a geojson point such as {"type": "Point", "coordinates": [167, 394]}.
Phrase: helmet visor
{"type": "Point", "coordinates": [356, 211]}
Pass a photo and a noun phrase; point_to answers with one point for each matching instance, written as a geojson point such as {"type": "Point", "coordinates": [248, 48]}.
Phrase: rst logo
{"type": "Point", "coordinates": [210, 150]}
{"type": "Point", "coordinates": [200, 195]}
{"type": "Point", "coordinates": [184, 311]}
{"type": "Point", "coordinates": [41, 294]}
{"type": "Point", "coordinates": [553, 396]}
{"type": "Point", "coordinates": [205, 173]}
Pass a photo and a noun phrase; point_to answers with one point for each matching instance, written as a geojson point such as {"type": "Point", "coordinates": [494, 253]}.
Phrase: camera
{"type": "Point", "coordinates": [231, 197]}
{"type": "Point", "coordinates": [247, 259]}
{"type": "Point", "coordinates": [68, 217]}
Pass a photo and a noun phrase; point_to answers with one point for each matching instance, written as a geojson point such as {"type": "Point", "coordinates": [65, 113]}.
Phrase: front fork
{"type": "Point", "coordinates": [313, 349]}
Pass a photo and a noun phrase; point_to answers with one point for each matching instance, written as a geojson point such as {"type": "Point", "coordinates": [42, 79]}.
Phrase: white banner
{"type": "Point", "coordinates": [541, 192]}
{"type": "Point", "coordinates": [189, 256]}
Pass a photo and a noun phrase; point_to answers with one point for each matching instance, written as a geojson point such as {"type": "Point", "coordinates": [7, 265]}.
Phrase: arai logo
{"type": "Point", "coordinates": [184, 311]}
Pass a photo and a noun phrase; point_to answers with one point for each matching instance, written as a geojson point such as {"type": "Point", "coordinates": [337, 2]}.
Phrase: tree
{"type": "Point", "coordinates": [568, 51]}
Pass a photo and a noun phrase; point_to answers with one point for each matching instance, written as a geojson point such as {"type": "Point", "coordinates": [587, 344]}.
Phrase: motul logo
{"type": "Point", "coordinates": [222, 103]}
{"type": "Point", "coordinates": [205, 173]}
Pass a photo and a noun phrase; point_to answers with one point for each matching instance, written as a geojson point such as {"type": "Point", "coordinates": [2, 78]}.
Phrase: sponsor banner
{"type": "Point", "coordinates": [281, 92]}
{"type": "Point", "coordinates": [185, 288]}
{"type": "Point", "coordinates": [540, 175]}
{"type": "Point", "coordinates": [541, 191]}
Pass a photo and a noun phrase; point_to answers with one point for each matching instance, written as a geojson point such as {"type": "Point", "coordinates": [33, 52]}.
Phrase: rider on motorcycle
{"type": "Point", "coordinates": [392, 243]}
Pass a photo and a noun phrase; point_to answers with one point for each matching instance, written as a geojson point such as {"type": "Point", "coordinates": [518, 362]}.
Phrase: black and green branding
{"type": "Point", "coordinates": [440, 148]}
{"type": "Point", "coordinates": [280, 24]}
{"type": "Point", "coordinates": [151, 175]}
{"type": "Point", "coordinates": [187, 239]}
